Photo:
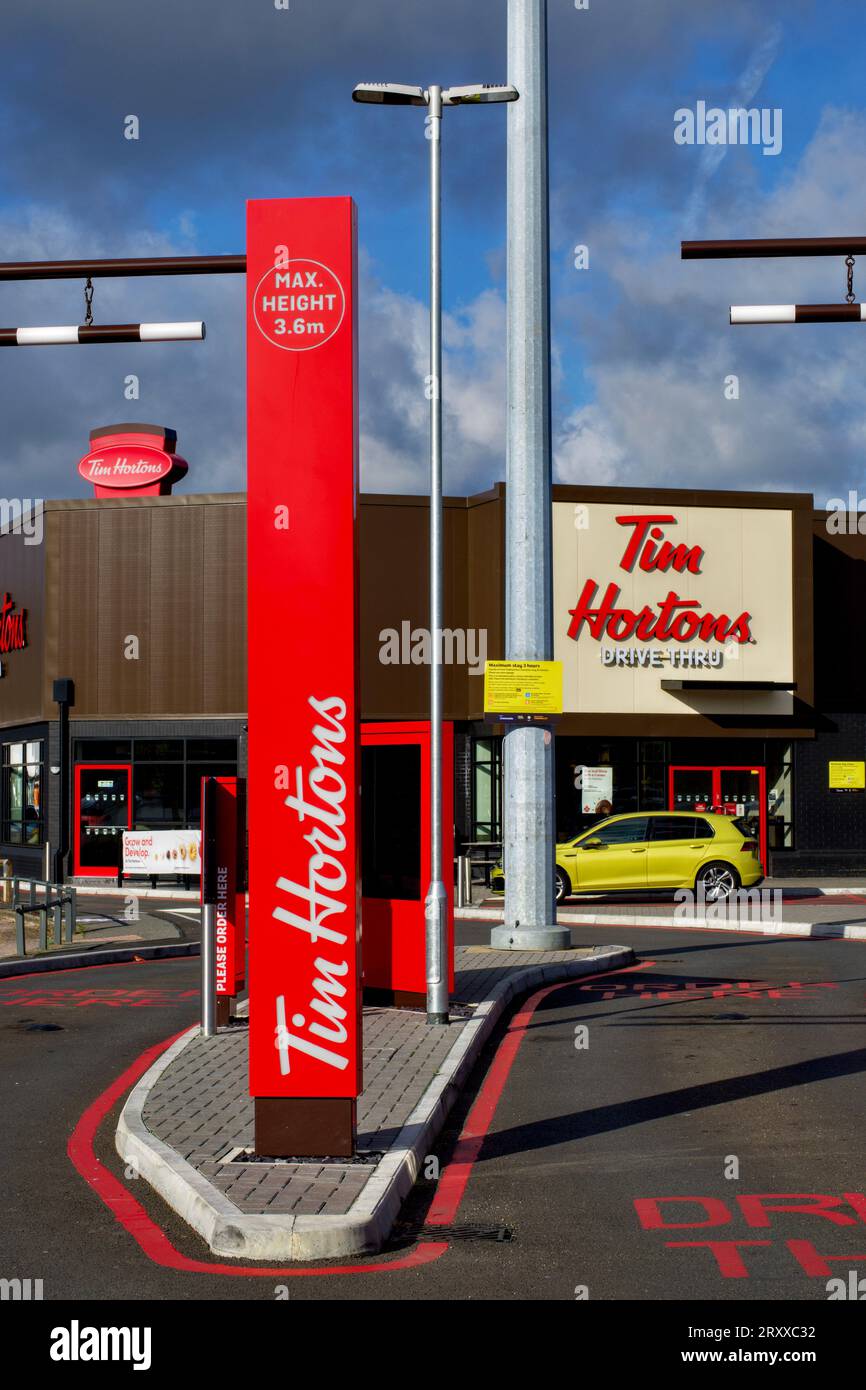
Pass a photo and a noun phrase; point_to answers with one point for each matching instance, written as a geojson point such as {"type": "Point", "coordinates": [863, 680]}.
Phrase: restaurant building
{"type": "Point", "coordinates": [711, 645]}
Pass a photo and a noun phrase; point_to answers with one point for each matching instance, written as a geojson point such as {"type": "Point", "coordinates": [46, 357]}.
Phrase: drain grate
{"type": "Point", "coordinates": [416, 1230]}
{"type": "Point", "coordinates": [365, 1158]}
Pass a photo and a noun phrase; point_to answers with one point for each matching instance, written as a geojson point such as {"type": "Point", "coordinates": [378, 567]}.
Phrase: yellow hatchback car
{"type": "Point", "coordinates": [655, 852]}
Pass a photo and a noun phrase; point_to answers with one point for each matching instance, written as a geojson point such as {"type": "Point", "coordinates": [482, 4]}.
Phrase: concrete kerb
{"type": "Point", "coordinates": [367, 1224]}
{"type": "Point", "coordinates": [74, 960]}
{"type": "Point", "coordinates": [849, 931]}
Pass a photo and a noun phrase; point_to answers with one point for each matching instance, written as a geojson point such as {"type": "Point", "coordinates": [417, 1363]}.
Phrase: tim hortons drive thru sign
{"type": "Point", "coordinates": [303, 783]}
{"type": "Point", "coordinates": [696, 593]}
{"type": "Point", "coordinates": [132, 460]}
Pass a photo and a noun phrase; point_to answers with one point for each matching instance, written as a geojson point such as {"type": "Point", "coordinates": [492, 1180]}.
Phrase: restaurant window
{"type": "Point", "coordinates": [780, 805]}
{"type": "Point", "coordinates": [22, 809]}
{"type": "Point", "coordinates": [486, 790]}
{"type": "Point", "coordinates": [194, 774]}
{"type": "Point", "coordinates": [158, 750]}
{"type": "Point", "coordinates": [157, 797]}
{"type": "Point", "coordinates": [652, 775]}
{"type": "Point", "coordinates": [103, 750]}
{"type": "Point", "coordinates": [166, 774]}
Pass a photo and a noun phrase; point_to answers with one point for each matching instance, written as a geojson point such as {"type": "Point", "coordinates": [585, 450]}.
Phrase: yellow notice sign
{"type": "Point", "coordinates": [848, 775]}
{"type": "Point", "coordinates": [523, 687]}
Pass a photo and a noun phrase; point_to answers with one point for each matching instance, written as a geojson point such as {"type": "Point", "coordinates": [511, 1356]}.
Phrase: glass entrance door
{"type": "Point", "coordinates": [102, 811]}
{"type": "Point", "coordinates": [742, 792]}
{"type": "Point", "coordinates": [728, 791]}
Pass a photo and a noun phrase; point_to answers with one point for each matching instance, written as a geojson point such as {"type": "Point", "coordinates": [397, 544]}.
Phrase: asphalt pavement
{"type": "Point", "coordinates": [639, 1137]}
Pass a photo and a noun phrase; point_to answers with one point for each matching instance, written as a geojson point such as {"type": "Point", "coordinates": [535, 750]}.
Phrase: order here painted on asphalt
{"type": "Point", "coordinates": [762, 1212]}
{"type": "Point", "coordinates": [303, 792]}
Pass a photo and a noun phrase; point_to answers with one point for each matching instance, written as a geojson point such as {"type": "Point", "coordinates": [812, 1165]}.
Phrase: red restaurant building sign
{"type": "Point", "coordinates": [132, 460]}
{"type": "Point", "coordinates": [13, 626]}
{"type": "Point", "coordinates": [303, 783]}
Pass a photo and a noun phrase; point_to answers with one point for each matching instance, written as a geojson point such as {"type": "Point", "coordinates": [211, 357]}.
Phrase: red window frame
{"type": "Point", "coordinates": [105, 869]}
{"type": "Point", "coordinates": [393, 933]}
{"type": "Point", "coordinates": [716, 770]}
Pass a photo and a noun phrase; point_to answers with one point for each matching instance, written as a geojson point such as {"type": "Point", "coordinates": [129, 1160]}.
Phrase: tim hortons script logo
{"type": "Point", "coordinates": [673, 618]}
{"type": "Point", "coordinates": [320, 1031]}
{"type": "Point", "coordinates": [13, 626]}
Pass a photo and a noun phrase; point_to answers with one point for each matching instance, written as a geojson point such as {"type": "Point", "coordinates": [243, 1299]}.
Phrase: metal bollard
{"type": "Point", "coordinates": [43, 928]}
{"type": "Point", "coordinates": [7, 887]}
{"type": "Point", "coordinates": [20, 939]}
{"type": "Point", "coordinates": [58, 922]}
{"type": "Point", "coordinates": [464, 880]}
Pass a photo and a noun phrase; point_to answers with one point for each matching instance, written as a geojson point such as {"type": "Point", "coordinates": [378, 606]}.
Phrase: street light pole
{"type": "Point", "coordinates": [528, 810]}
{"type": "Point", "coordinates": [436, 899]}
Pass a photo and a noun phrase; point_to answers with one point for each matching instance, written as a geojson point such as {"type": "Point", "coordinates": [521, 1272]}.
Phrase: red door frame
{"type": "Point", "coordinates": [716, 769]}
{"type": "Point", "coordinates": [76, 838]}
{"type": "Point", "coordinates": [393, 930]}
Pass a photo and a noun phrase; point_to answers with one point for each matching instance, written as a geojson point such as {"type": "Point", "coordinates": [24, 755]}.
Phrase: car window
{"type": "Point", "coordinates": [621, 832]}
{"type": "Point", "coordinates": [679, 828]}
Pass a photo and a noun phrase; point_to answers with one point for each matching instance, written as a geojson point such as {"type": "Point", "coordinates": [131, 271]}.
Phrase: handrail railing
{"type": "Point", "coordinates": [59, 897]}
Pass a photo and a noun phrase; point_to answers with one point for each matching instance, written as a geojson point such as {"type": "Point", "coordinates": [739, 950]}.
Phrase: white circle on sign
{"type": "Point", "coordinates": [303, 307]}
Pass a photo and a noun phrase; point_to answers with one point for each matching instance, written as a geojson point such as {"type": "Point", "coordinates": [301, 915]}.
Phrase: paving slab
{"type": "Point", "coordinates": [187, 1126]}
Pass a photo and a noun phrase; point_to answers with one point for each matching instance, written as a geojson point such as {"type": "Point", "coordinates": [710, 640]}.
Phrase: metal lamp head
{"type": "Point", "coordinates": [487, 91]}
{"type": "Point", "coordinates": [389, 94]}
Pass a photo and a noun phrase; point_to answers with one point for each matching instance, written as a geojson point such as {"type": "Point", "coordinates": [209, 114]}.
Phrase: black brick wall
{"type": "Point", "coordinates": [462, 785]}
{"type": "Point", "coordinates": [829, 826]}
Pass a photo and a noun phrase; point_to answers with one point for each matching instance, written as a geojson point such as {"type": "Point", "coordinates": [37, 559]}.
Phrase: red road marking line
{"type": "Point", "coordinates": [130, 1214]}
{"type": "Point", "coordinates": [452, 1184]}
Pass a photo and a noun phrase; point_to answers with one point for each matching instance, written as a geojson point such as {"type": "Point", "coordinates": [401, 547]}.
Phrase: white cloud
{"type": "Point", "coordinates": [658, 344]}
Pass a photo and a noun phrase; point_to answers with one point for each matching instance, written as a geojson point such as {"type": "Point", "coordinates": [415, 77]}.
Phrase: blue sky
{"type": "Point", "coordinates": [238, 100]}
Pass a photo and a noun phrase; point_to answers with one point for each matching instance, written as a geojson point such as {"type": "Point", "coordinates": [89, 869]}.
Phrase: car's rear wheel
{"type": "Point", "coordinates": [718, 880]}
{"type": "Point", "coordinates": [563, 885]}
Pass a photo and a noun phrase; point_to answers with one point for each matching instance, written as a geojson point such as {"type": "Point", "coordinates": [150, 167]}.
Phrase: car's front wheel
{"type": "Point", "coordinates": [563, 885]}
{"type": "Point", "coordinates": [718, 881]}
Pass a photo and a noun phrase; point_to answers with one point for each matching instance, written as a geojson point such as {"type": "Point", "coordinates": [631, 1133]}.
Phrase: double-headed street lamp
{"type": "Point", "coordinates": [436, 901]}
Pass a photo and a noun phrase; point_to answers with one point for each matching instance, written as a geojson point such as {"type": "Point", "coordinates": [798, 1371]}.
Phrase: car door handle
{"type": "Point", "coordinates": [642, 850]}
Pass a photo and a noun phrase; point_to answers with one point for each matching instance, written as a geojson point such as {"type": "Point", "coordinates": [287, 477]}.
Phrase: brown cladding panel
{"type": "Point", "coordinates": [486, 586]}
{"type": "Point", "coordinates": [456, 651]}
{"type": "Point", "coordinates": [72, 607]}
{"type": "Point", "coordinates": [395, 586]}
{"type": "Point", "coordinates": [174, 656]}
{"type": "Point", "coordinates": [393, 579]}
{"type": "Point", "coordinates": [224, 648]}
{"type": "Point", "coordinates": [124, 610]}
{"type": "Point", "coordinates": [22, 577]}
